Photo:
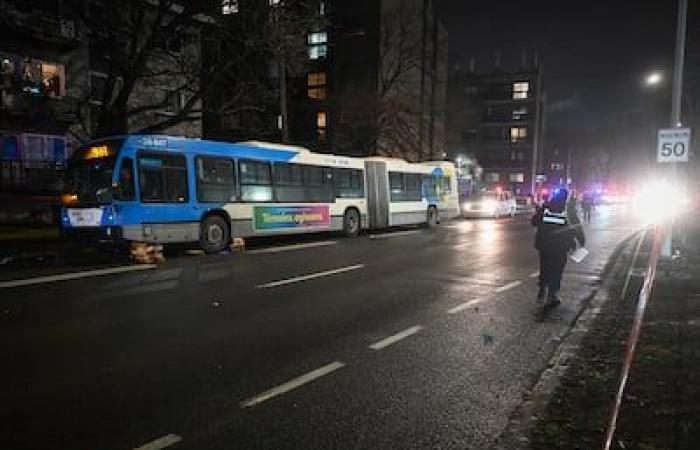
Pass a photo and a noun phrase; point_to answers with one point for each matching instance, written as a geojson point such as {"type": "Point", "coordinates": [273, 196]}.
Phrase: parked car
{"type": "Point", "coordinates": [490, 204]}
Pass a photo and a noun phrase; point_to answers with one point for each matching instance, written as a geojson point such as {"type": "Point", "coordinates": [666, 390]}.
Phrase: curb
{"type": "Point", "coordinates": [524, 417]}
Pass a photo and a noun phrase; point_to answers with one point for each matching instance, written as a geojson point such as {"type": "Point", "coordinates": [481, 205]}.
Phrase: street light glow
{"type": "Point", "coordinates": [653, 79]}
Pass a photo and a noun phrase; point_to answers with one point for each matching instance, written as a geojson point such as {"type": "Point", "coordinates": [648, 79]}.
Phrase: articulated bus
{"type": "Point", "coordinates": [163, 189]}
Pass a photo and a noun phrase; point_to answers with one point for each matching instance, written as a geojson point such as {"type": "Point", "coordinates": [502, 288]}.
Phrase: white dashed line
{"type": "Point", "coordinates": [395, 338]}
{"type": "Point", "coordinates": [285, 248]}
{"type": "Point", "coordinates": [394, 234]}
{"type": "Point", "coordinates": [534, 274]}
{"type": "Point", "coordinates": [160, 443]}
{"type": "Point", "coordinates": [508, 286]}
{"type": "Point", "coordinates": [310, 276]}
{"type": "Point", "coordinates": [292, 384]}
{"type": "Point", "coordinates": [463, 306]}
{"type": "Point", "coordinates": [75, 275]}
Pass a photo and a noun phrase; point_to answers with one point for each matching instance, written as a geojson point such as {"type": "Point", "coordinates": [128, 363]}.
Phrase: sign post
{"type": "Point", "coordinates": [673, 147]}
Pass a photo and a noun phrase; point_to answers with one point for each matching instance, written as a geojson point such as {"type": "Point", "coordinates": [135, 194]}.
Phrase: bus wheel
{"type": "Point", "coordinates": [215, 234]}
{"type": "Point", "coordinates": [351, 223]}
{"type": "Point", "coordinates": [432, 217]}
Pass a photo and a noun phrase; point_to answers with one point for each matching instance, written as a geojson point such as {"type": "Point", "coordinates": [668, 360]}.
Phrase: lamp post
{"type": "Point", "coordinates": [667, 249]}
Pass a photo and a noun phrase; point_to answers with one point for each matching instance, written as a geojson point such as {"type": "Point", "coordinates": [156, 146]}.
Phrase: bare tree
{"type": "Point", "coordinates": [159, 61]}
{"type": "Point", "coordinates": [286, 33]}
{"type": "Point", "coordinates": [399, 112]}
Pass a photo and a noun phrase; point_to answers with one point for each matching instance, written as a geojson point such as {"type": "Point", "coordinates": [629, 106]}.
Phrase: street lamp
{"type": "Point", "coordinates": [653, 79]}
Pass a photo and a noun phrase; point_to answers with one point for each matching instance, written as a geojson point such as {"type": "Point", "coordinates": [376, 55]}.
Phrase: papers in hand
{"type": "Point", "coordinates": [579, 254]}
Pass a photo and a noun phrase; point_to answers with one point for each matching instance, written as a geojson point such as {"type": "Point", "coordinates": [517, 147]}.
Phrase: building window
{"type": "Point", "coordinates": [316, 79]}
{"type": "Point", "coordinates": [520, 113]}
{"type": "Point", "coordinates": [173, 102]}
{"type": "Point", "coordinates": [517, 155]}
{"type": "Point", "coordinates": [493, 177]}
{"type": "Point", "coordinates": [517, 177]}
{"type": "Point", "coordinates": [321, 124]}
{"type": "Point", "coordinates": [319, 37]}
{"type": "Point", "coordinates": [54, 79]}
{"type": "Point", "coordinates": [98, 83]}
{"type": "Point", "coordinates": [318, 45]}
{"type": "Point", "coordinates": [229, 7]}
{"type": "Point", "coordinates": [321, 119]}
{"type": "Point", "coordinates": [557, 166]}
{"type": "Point", "coordinates": [322, 8]}
{"type": "Point", "coordinates": [521, 90]}
{"type": "Point", "coordinates": [316, 82]}
{"type": "Point", "coordinates": [518, 134]}
{"type": "Point", "coordinates": [318, 93]}
{"type": "Point", "coordinates": [275, 2]}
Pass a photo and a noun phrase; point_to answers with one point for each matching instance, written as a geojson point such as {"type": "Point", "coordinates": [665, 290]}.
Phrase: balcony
{"type": "Point", "coordinates": [17, 103]}
{"type": "Point", "coordinates": [36, 27]}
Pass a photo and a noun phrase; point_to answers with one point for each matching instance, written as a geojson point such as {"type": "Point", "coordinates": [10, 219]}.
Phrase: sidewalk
{"type": "Point", "coordinates": [662, 404]}
{"type": "Point", "coordinates": [661, 408]}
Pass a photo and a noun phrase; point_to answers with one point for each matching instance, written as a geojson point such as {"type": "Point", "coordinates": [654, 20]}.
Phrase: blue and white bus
{"type": "Point", "coordinates": [163, 189]}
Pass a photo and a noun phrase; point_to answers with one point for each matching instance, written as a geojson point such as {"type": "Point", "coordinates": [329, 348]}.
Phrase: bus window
{"type": "Point", "coordinates": [349, 183]}
{"type": "Point", "coordinates": [162, 178]}
{"type": "Point", "coordinates": [319, 184]}
{"type": "Point", "coordinates": [256, 181]}
{"type": "Point", "coordinates": [413, 187]}
{"type": "Point", "coordinates": [445, 186]}
{"type": "Point", "coordinates": [215, 180]}
{"type": "Point", "coordinates": [127, 189]}
{"type": "Point", "coordinates": [396, 187]}
{"type": "Point", "coordinates": [289, 183]}
{"type": "Point", "coordinates": [429, 187]}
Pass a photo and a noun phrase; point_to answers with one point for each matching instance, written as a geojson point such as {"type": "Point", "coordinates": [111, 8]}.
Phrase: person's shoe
{"type": "Point", "coordinates": [553, 301]}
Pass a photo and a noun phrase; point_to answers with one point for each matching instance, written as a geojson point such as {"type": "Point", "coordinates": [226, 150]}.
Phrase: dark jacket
{"type": "Point", "coordinates": [557, 231]}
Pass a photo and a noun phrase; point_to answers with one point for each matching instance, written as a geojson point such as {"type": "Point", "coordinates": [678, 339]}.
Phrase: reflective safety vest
{"type": "Point", "coordinates": [554, 218]}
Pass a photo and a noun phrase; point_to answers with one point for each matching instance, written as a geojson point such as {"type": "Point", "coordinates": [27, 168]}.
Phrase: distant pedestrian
{"type": "Point", "coordinates": [587, 206]}
{"type": "Point", "coordinates": [558, 231]}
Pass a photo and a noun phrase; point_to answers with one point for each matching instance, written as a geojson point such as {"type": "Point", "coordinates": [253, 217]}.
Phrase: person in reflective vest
{"type": "Point", "coordinates": [558, 231]}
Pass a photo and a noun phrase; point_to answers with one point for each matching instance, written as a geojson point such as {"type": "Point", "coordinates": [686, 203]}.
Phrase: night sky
{"type": "Point", "coordinates": [595, 53]}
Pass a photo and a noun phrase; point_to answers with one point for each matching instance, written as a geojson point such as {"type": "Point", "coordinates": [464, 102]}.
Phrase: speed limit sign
{"type": "Point", "coordinates": [673, 145]}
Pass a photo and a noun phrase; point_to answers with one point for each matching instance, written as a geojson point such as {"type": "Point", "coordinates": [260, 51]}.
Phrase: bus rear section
{"type": "Point", "coordinates": [402, 193]}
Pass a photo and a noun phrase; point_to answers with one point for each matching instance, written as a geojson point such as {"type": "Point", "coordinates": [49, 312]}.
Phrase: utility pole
{"type": "Point", "coordinates": [678, 67]}
{"type": "Point", "coordinates": [667, 249]}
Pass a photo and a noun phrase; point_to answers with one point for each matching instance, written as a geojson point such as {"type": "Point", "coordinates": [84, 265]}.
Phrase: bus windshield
{"type": "Point", "coordinates": [89, 170]}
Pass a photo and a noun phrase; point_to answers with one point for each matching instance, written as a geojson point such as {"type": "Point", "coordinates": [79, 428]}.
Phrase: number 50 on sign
{"type": "Point", "coordinates": [673, 145]}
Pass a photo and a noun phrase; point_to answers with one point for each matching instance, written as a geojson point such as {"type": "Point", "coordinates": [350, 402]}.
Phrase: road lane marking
{"type": "Point", "coordinates": [508, 286]}
{"type": "Point", "coordinates": [284, 248]}
{"type": "Point", "coordinates": [310, 276]}
{"type": "Point", "coordinates": [292, 384]}
{"type": "Point", "coordinates": [534, 274]}
{"type": "Point", "coordinates": [463, 306]}
{"type": "Point", "coordinates": [393, 234]}
{"type": "Point", "coordinates": [396, 337]}
{"type": "Point", "coordinates": [75, 275]}
{"type": "Point", "coordinates": [160, 443]}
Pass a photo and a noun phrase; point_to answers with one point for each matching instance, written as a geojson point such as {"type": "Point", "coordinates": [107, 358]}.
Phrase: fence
{"type": "Point", "coordinates": [31, 177]}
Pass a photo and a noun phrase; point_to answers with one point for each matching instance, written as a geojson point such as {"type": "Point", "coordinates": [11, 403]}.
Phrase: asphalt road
{"type": "Point", "coordinates": [413, 339]}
